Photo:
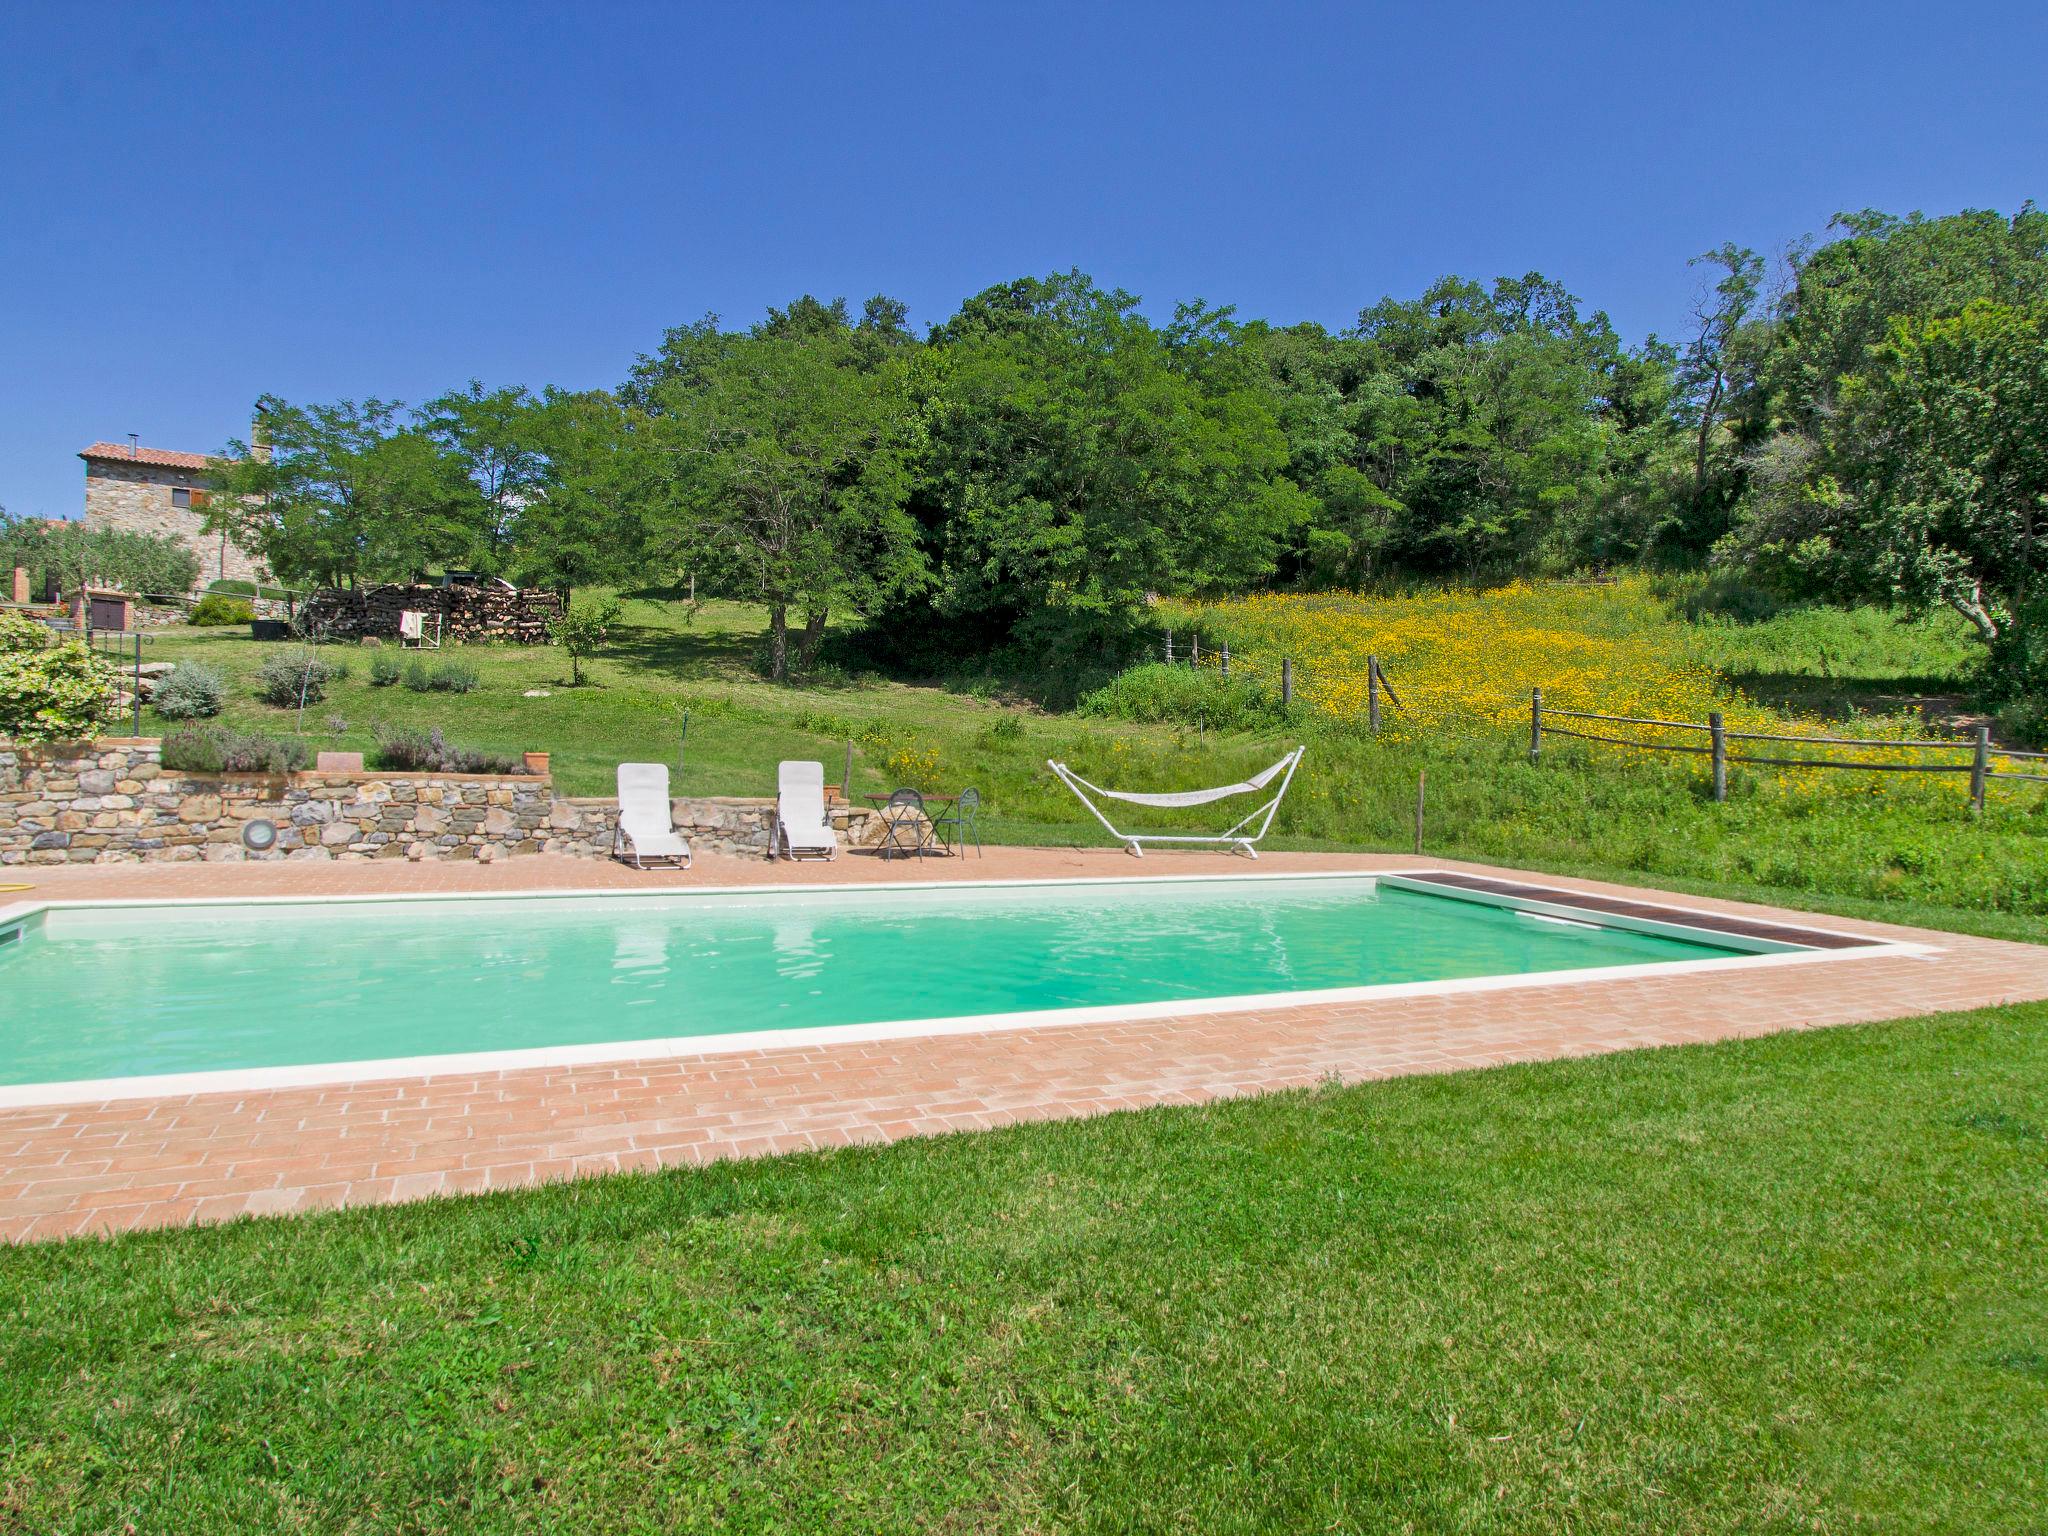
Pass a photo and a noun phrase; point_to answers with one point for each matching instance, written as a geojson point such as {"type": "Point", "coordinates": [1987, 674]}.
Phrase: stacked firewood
{"type": "Point", "coordinates": [487, 611]}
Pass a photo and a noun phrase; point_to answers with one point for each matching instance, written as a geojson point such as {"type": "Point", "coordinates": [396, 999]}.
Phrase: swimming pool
{"type": "Point", "coordinates": [182, 993]}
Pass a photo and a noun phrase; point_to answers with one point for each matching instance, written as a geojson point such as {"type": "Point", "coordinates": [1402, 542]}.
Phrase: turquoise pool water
{"type": "Point", "coordinates": [118, 992]}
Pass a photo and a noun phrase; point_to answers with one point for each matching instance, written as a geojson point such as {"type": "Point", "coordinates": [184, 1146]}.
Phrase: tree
{"type": "Point", "coordinates": [1947, 440]}
{"type": "Point", "coordinates": [1351, 529]}
{"type": "Point", "coordinates": [346, 493]}
{"type": "Point", "coordinates": [582, 631]}
{"type": "Point", "coordinates": [785, 459]}
{"type": "Point", "coordinates": [496, 435]}
{"type": "Point", "coordinates": [1930, 487]}
{"type": "Point", "coordinates": [585, 522]}
{"type": "Point", "coordinates": [1078, 460]}
{"type": "Point", "coordinates": [1483, 412]}
{"type": "Point", "coordinates": [1847, 292]}
{"type": "Point", "coordinates": [1703, 375]}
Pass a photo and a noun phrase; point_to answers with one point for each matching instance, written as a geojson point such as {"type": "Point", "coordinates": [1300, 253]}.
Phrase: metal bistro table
{"type": "Point", "coordinates": [903, 817]}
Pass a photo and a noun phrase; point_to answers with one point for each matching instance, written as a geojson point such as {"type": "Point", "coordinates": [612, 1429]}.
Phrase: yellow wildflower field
{"type": "Point", "coordinates": [1464, 661]}
{"type": "Point", "coordinates": [1458, 659]}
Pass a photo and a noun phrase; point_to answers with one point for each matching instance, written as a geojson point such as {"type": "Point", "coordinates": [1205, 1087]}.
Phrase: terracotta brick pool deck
{"type": "Point", "coordinates": [104, 1167]}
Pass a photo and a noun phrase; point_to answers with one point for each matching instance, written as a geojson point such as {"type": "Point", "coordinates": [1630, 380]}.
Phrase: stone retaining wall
{"type": "Point", "coordinates": [113, 801]}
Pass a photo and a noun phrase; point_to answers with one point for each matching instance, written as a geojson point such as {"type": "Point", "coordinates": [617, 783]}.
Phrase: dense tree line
{"type": "Point", "coordinates": [1868, 421]}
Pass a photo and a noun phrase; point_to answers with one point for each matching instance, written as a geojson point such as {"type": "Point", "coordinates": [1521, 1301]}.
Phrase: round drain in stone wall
{"type": "Point", "coordinates": [259, 835]}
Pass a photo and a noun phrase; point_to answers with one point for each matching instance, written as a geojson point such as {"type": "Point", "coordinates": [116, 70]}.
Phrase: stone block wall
{"type": "Point", "coordinates": [136, 498]}
{"type": "Point", "coordinates": [113, 802]}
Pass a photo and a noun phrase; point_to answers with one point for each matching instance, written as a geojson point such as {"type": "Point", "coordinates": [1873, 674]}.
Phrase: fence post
{"type": "Point", "coordinates": [1286, 679]}
{"type": "Point", "coordinates": [1421, 784]}
{"type": "Point", "coordinates": [1720, 738]}
{"type": "Point", "coordinates": [1169, 647]}
{"type": "Point", "coordinates": [1226, 658]}
{"type": "Point", "coordinates": [1195, 649]}
{"type": "Point", "coordinates": [1535, 724]}
{"type": "Point", "coordinates": [1372, 694]}
{"type": "Point", "coordinates": [1980, 769]}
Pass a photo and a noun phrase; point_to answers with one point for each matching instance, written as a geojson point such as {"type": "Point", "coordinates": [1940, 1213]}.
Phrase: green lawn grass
{"type": "Point", "coordinates": [1791, 1284]}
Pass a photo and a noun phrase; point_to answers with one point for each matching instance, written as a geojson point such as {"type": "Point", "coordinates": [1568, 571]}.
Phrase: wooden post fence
{"type": "Point", "coordinates": [1372, 694]}
{"type": "Point", "coordinates": [1169, 647]}
{"type": "Point", "coordinates": [1226, 658]}
{"type": "Point", "coordinates": [1986, 762]}
{"type": "Point", "coordinates": [1720, 744]}
{"type": "Point", "coordinates": [1286, 679]}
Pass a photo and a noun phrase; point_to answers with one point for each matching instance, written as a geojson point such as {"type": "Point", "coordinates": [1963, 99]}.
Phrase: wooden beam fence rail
{"type": "Point", "coordinates": [1982, 768]}
{"type": "Point", "coordinates": [1624, 741]}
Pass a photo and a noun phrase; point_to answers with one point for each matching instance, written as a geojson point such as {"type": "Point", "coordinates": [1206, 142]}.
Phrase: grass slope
{"type": "Point", "coordinates": [1870, 839]}
{"type": "Point", "coordinates": [1784, 1285]}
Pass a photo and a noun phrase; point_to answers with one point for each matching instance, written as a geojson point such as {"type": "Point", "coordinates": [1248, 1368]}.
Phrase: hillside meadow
{"type": "Point", "coordinates": [1461, 661]}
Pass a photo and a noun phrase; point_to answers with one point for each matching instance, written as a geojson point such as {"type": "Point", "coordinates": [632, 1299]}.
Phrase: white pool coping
{"type": "Point", "coordinates": [232, 1080]}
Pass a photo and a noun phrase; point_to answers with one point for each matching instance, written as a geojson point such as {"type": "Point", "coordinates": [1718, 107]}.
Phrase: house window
{"type": "Point", "coordinates": [180, 496]}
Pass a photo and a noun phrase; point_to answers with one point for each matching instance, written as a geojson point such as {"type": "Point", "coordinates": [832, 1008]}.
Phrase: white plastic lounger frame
{"type": "Point", "coordinates": [646, 819]}
{"type": "Point", "coordinates": [1236, 835]}
{"type": "Point", "coordinates": [801, 831]}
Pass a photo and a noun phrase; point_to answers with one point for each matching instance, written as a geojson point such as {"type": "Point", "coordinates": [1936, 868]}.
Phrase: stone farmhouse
{"type": "Point", "coordinates": [161, 491]}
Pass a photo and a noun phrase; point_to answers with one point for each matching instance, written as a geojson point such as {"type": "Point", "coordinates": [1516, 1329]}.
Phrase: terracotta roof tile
{"type": "Point", "coordinates": [163, 458]}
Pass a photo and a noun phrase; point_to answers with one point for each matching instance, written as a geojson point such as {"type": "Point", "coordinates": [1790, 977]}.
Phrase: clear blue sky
{"type": "Point", "coordinates": [200, 204]}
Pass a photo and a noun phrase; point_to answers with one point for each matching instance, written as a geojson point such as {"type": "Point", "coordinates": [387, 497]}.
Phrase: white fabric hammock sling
{"type": "Point", "coordinates": [1236, 835]}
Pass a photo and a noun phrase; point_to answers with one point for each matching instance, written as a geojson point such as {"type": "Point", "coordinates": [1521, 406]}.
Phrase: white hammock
{"type": "Point", "coordinates": [1236, 835]}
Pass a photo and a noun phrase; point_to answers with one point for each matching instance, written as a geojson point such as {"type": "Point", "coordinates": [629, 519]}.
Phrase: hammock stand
{"type": "Point", "coordinates": [1236, 835]}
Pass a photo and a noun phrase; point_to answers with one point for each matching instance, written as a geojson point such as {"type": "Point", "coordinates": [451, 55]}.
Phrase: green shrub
{"type": "Point", "coordinates": [385, 669]}
{"type": "Point", "coordinates": [407, 749]}
{"type": "Point", "coordinates": [19, 633]}
{"type": "Point", "coordinates": [448, 677]}
{"type": "Point", "coordinates": [296, 675]}
{"type": "Point", "coordinates": [194, 691]}
{"type": "Point", "coordinates": [1006, 731]}
{"type": "Point", "coordinates": [1156, 693]}
{"type": "Point", "coordinates": [221, 749]}
{"type": "Point", "coordinates": [2026, 721]}
{"type": "Point", "coordinates": [456, 677]}
{"type": "Point", "coordinates": [216, 609]}
{"type": "Point", "coordinates": [52, 692]}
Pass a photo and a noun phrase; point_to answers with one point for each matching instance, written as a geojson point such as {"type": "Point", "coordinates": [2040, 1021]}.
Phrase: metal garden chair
{"type": "Point", "coordinates": [906, 829]}
{"type": "Point", "coordinates": [964, 823]}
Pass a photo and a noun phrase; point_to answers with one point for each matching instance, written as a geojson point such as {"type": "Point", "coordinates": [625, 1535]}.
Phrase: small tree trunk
{"type": "Point", "coordinates": [1972, 608]}
{"type": "Point", "coordinates": [778, 641]}
{"type": "Point", "coordinates": [1708, 413]}
{"type": "Point", "coordinates": [813, 636]}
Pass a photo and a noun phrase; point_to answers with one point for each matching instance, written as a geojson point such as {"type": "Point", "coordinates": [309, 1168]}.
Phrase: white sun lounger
{"type": "Point", "coordinates": [646, 828]}
{"type": "Point", "coordinates": [801, 830]}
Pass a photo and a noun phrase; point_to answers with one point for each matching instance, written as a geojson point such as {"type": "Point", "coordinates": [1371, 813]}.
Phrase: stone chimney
{"type": "Point", "coordinates": [259, 437]}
